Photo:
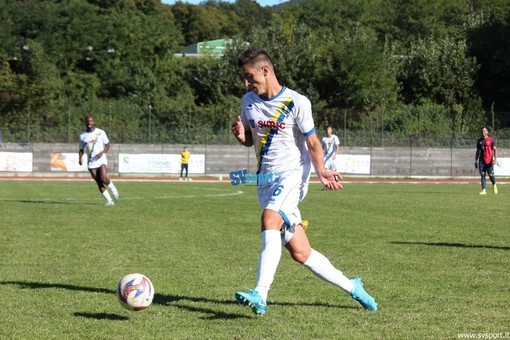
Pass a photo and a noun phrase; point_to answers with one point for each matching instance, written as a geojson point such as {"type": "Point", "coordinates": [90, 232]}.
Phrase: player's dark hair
{"type": "Point", "coordinates": [252, 56]}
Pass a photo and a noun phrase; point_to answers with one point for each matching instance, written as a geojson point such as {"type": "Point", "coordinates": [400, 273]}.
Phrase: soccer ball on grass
{"type": "Point", "coordinates": [135, 291]}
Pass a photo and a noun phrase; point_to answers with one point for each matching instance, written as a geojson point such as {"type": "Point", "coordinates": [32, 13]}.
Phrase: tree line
{"type": "Point", "coordinates": [425, 68]}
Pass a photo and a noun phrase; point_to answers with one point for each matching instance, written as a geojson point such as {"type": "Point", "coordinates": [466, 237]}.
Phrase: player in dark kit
{"type": "Point", "coordinates": [486, 157]}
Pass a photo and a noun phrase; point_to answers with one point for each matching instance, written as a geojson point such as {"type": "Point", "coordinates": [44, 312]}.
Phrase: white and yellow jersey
{"type": "Point", "coordinates": [93, 143]}
{"type": "Point", "coordinates": [279, 126]}
{"type": "Point", "coordinates": [330, 144]}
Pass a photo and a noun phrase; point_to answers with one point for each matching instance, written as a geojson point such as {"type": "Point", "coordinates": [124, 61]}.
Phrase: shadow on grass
{"type": "Point", "coordinates": [162, 299]}
{"type": "Point", "coordinates": [455, 245]}
{"type": "Point", "coordinates": [34, 201]}
{"type": "Point", "coordinates": [102, 316]}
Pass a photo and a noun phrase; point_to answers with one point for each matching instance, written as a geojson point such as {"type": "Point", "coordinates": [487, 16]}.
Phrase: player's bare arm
{"type": "Point", "coordinates": [240, 133]}
{"type": "Point", "coordinates": [327, 177]}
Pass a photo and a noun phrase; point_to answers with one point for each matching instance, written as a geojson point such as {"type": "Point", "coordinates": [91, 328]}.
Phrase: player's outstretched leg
{"type": "Point", "coordinates": [106, 195]}
{"type": "Point", "coordinates": [322, 268]}
{"type": "Point", "coordinates": [114, 190]}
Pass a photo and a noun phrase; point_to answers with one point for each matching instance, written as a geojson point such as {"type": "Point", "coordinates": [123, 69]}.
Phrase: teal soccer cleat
{"type": "Point", "coordinates": [253, 300]}
{"type": "Point", "coordinates": [359, 294]}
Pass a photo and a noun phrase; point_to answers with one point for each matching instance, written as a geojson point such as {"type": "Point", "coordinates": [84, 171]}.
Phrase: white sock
{"type": "Point", "coordinates": [322, 268]}
{"type": "Point", "coordinates": [106, 195]}
{"type": "Point", "coordinates": [268, 261]}
{"type": "Point", "coordinates": [112, 187]}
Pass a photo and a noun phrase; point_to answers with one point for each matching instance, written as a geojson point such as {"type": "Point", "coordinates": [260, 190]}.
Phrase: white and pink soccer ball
{"type": "Point", "coordinates": [135, 291]}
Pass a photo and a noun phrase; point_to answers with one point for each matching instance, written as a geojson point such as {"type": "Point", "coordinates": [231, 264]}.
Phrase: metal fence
{"type": "Point", "coordinates": [210, 136]}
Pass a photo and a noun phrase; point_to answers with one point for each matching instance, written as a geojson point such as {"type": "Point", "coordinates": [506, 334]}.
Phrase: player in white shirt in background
{"type": "Point", "coordinates": [331, 146]}
{"type": "Point", "coordinates": [95, 143]}
{"type": "Point", "coordinates": [278, 122]}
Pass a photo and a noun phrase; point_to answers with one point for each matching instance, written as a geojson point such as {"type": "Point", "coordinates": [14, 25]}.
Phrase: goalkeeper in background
{"type": "Point", "coordinates": [485, 158]}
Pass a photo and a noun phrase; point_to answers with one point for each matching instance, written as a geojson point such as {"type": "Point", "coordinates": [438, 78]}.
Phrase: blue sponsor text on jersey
{"type": "Point", "coordinates": [243, 177]}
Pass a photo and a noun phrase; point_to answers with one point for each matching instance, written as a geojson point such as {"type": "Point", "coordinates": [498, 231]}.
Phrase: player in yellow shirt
{"type": "Point", "coordinates": [185, 155]}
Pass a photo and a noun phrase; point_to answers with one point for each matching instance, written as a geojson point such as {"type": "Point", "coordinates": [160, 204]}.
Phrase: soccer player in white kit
{"type": "Point", "coordinates": [96, 143]}
{"type": "Point", "coordinates": [278, 122]}
{"type": "Point", "coordinates": [331, 146]}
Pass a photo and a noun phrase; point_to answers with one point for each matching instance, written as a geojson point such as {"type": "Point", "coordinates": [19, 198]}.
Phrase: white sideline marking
{"type": "Point", "coordinates": [238, 192]}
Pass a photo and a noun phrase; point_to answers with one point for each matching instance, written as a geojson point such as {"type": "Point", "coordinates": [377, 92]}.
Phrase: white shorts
{"type": "Point", "coordinates": [283, 196]}
{"type": "Point", "coordinates": [97, 162]}
{"type": "Point", "coordinates": [330, 164]}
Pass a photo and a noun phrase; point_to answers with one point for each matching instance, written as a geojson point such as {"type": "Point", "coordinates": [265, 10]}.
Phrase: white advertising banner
{"type": "Point", "coordinates": [16, 161]}
{"type": "Point", "coordinates": [502, 167]}
{"type": "Point", "coordinates": [159, 163]}
{"type": "Point", "coordinates": [353, 164]}
{"type": "Point", "coordinates": [67, 162]}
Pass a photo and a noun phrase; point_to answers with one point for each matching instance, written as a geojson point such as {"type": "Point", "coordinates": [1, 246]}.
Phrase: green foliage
{"type": "Point", "coordinates": [489, 33]}
{"type": "Point", "coordinates": [207, 22]}
{"type": "Point", "coordinates": [359, 71]}
{"type": "Point", "coordinates": [410, 20]}
{"type": "Point", "coordinates": [29, 89]}
{"type": "Point", "coordinates": [439, 71]}
{"type": "Point", "coordinates": [290, 45]}
{"type": "Point", "coordinates": [370, 58]}
{"type": "Point", "coordinates": [426, 120]}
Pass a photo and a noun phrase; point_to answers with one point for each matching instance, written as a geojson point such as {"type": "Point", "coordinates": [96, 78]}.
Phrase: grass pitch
{"type": "Point", "coordinates": [435, 257]}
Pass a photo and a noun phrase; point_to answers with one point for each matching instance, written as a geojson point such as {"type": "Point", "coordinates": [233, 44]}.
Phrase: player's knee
{"type": "Point", "coordinates": [300, 256]}
{"type": "Point", "coordinates": [271, 220]}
